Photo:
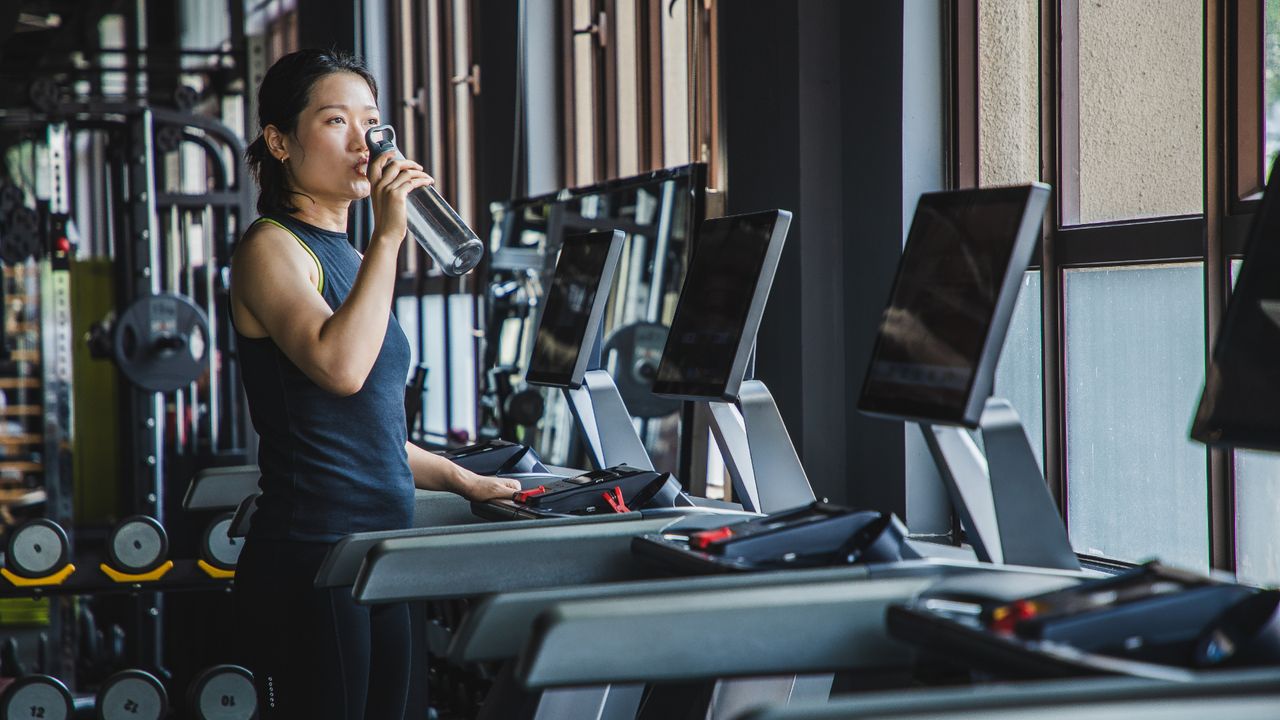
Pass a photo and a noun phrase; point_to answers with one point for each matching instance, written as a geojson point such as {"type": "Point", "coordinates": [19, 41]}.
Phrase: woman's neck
{"type": "Point", "coordinates": [327, 216]}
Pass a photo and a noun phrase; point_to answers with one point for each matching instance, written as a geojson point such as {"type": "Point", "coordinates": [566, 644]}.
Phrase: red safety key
{"type": "Point", "coordinates": [613, 496]}
{"type": "Point", "coordinates": [524, 495]}
{"type": "Point", "coordinates": [703, 540]}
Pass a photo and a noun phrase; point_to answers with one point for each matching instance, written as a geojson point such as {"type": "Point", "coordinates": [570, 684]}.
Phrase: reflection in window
{"type": "Point", "coordinates": [675, 82]}
{"type": "Point", "coordinates": [584, 83]}
{"type": "Point", "coordinates": [1136, 482]}
{"type": "Point", "coordinates": [1140, 103]}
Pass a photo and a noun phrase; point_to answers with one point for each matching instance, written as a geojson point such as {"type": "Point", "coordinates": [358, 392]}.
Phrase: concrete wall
{"type": "Point", "coordinates": [1141, 93]}
{"type": "Point", "coordinates": [1008, 91]}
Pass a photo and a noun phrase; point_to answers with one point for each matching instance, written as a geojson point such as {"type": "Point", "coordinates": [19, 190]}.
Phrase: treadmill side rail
{"type": "Point", "coordinates": [513, 556]}
{"type": "Point", "coordinates": [784, 629]}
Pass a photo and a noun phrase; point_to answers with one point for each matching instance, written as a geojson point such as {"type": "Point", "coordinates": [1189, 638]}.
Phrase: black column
{"type": "Point", "coordinates": [812, 96]}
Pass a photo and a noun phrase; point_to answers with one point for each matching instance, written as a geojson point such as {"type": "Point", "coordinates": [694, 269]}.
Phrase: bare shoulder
{"type": "Point", "coordinates": [268, 266]}
{"type": "Point", "coordinates": [268, 247]}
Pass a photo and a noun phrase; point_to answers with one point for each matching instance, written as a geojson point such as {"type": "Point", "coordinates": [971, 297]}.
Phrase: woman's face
{"type": "Point", "coordinates": [327, 157]}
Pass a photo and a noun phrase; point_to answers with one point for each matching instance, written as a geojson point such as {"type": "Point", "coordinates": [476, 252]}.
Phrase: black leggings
{"type": "Point", "coordinates": [314, 652]}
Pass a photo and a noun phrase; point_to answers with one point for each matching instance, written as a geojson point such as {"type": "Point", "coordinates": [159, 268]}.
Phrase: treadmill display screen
{"type": "Point", "coordinates": [706, 333]}
{"type": "Point", "coordinates": [563, 331]}
{"type": "Point", "coordinates": [946, 298]}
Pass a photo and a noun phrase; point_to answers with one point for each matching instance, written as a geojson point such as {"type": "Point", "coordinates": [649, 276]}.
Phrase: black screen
{"type": "Point", "coordinates": [1241, 401]}
{"type": "Point", "coordinates": [933, 335]}
{"type": "Point", "coordinates": [706, 332]}
{"type": "Point", "coordinates": [563, 330]}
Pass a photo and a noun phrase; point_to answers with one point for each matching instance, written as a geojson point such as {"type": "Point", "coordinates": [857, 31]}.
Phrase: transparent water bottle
{"type": "Point", "coordinates": [431, 221]}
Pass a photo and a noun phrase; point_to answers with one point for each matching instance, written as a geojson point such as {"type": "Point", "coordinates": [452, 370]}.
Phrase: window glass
{"type": "Point", "coordinates": [1134, 371]}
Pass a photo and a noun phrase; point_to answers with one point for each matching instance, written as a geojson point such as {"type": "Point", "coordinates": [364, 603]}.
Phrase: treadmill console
{"type": "Point", "coordinates": [1150, 615]}
{"type": "Point", "coordinates": [619, 489]}
{"type": "Point", "coordinates": [815, 535]}
{"type": "Point", "coordinates": [496, 457]}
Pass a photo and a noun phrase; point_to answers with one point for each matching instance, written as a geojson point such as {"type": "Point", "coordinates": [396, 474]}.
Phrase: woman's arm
{"type": "Point", "coordinates": [432, 472]}
{"type": "Point", "coordinates": [335, 348]}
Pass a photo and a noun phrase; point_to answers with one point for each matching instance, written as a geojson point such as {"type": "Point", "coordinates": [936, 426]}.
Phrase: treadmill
{"type": "Point", "coordinates": [728, 288]}
{"type": "Point", "coordinates": [955, 291]}
{"type": "Point", "coordinates": [728, 282]}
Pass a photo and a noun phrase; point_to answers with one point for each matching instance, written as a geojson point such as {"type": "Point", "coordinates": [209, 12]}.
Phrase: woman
{"type": "Point", "coordinates": [324, 366]}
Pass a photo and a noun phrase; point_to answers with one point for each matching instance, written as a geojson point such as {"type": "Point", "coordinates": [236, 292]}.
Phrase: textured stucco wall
{"type": "Point", "coordinates": [1008, 91]}
{"type": "Point", "coordinates": [1140, 108]}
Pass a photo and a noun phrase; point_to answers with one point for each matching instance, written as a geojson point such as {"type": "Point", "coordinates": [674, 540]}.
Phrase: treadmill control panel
{"type": "Point", "coordinates": [815, 535]}
{"type": "Point", "coordinates": [619, 489]}
{"type": "Point", "coordinates": [1143, 621]}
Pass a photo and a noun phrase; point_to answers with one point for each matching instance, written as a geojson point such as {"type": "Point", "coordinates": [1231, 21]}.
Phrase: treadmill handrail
{"type": "Point", "coordinates": [501, 557]}
{"type": "Point", "coordinates": [221, 488]}
{"type": "Point", "coordinates": [343, 562]}
{"type": "Point", "coordinates": [811, 625]}
{"type": "Point", "coordinates": [770, 630]}
{"type": "Point", "coordinates": [1076, 693]}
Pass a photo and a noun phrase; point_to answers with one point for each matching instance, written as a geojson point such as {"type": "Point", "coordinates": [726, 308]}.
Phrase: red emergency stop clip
{"type": "Point", "coordinates": [613, 496]}
{"type": "Point", "coordinates": [703, 540]}
{"type": "Point", "coordinates": [524, 495]}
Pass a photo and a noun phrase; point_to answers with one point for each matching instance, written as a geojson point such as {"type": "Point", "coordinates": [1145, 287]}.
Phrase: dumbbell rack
{"type": "Point", "coordinates": [89, 574]}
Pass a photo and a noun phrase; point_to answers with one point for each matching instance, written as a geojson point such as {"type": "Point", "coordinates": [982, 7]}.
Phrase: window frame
{"type": "Point", "coordinates": [1233, 177]}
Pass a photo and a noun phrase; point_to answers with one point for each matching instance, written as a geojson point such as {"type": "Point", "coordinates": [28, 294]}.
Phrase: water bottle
{"type": "Point", "coordinates": [431, 221]}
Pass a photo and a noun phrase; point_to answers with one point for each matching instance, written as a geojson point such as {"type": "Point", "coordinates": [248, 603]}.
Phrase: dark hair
{"type": "Point", "coordinates": [282, 96]}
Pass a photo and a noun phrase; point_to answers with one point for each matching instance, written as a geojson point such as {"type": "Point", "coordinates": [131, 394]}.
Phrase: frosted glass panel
{"type": "Point", "coordinates": [1019, 376]}
{"type": "Point", "coordinates": [1257, 476]}
{"type": "Point", "coordinates": [1136, 482]}
{"type": "Point", "coordinates": [1140, 106]}
{"type": "Point", "coordinates": [1257, 510]}
{"type": "Point", "coordinates": [1271, 57]}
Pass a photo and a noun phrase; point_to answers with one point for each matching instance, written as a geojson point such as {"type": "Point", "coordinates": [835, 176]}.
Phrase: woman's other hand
{"type": "Point", "coordinates": [479, 488]}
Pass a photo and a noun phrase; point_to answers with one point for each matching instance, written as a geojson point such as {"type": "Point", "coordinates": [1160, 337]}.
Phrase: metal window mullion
{"type": "Point", "coordinates": [1221, 490]}
{"type": "Point", "coordinates": [1051, 301]}
{"type": "Point", "coordinates": [963, 88]}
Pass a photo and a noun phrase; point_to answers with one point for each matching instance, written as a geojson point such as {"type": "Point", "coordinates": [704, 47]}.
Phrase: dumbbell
{"type": "Point", "coordinates": [217, 547]}
{"type": "Point", "coordinates": [137, 545]}
{"type": "Point", "coordinates": [132, 695]}
{"type": "Point", "coordinates": [36, 696]}
{"type": "Point", "coordinates": [223, 692]}
{"type": "Point", "coordinates": [37, 548]}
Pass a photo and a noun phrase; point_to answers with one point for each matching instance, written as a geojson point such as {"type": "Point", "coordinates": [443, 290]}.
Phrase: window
{"type": "Point", "coordinates": [637, 87]}
{"type": "Point", "coordinates": [1107, 102]}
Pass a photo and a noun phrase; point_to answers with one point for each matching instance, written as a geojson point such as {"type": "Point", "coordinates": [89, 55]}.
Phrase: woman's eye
{"type": "Point", "coordinates": [371, 122]}
{"type": "Point", "coordinates": [336, 120]}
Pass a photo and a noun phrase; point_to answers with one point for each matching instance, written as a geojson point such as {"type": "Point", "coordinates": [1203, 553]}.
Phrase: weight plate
{"type": "Point", "coordinates": [160, 342]}
{"type": "Point", "coordinates": [168, 138]}
{"type": "Point", "coordinates": [10, 198]}
{"type": "Point", "coordinates": [137, 545]}
{"type": "Point", "coordinates": [21, 236]}
{"type": "Point", "coordinates": [185, 97]}
{"type": "Point", "coordinates": [224, 692]}
{"type": "Point", "coordinates": [37, 548]}
{"type": "Point", "coordinates": [219, 549]}
{"type": "Point", "coordinates": [632, 355]}
{"type": "Point", "coordinates": [43, 94]}
{"type": "Point", "coordinates": [132, 695]}
{"type": "Point", "coordinates": [36, 696]}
